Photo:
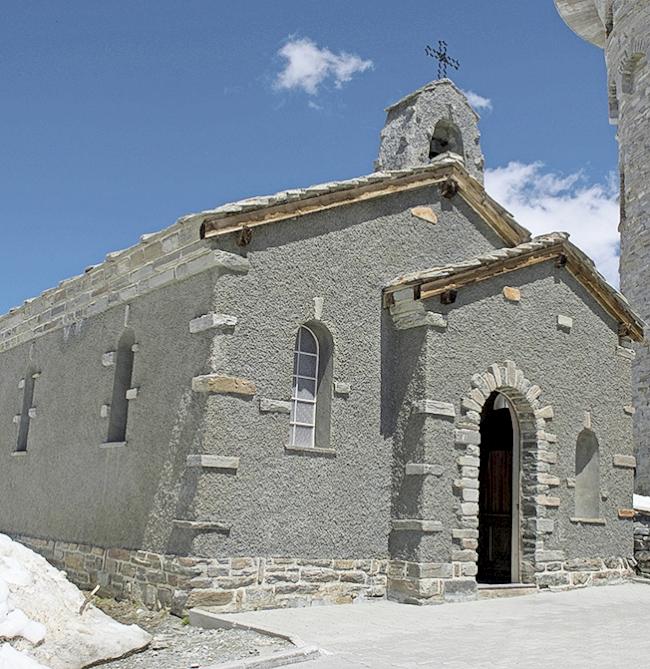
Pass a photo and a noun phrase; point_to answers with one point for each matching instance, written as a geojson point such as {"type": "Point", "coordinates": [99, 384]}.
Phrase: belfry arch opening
{"type": "Point", "coordinates": [499, 493]}
{"type": "Point", "coordinates": [446, 137]}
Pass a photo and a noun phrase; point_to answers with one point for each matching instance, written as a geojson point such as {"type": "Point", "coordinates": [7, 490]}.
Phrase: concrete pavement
{"type": "Point", "coordinates": [598, 627]}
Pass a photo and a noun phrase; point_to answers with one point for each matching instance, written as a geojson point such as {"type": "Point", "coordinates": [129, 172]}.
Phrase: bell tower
{"type": "Point", "coordinates": [436, 119]}
{"type": "Point", "coordinates": [622, 29]}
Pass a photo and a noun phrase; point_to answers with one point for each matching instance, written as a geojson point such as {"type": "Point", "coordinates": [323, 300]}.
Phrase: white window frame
{"type": "Point", "coordinates": [295, 399]}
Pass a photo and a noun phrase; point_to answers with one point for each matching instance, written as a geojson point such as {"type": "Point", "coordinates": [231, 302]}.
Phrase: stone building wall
{"type": "Point", "coordinates": [226, 584]}
{"type": "Point", "coordinates": [555, 354]}
{"type": "Point", "coordinates": [642, 544]}
{"type": "Point", "coordinates": [622, 27]}
{"type": "Point", "coordinates": [628, 58]}
{"type": "Point", "coordinates": [204, 470]}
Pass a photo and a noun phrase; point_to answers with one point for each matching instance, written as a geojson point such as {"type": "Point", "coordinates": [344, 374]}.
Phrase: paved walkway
{"type": "Point", "coordinates": [599, 627]}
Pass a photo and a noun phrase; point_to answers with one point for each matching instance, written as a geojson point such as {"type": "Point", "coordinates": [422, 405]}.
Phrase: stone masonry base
{"type": "Point", "coordinates": [223, 584]}
{"type": "Point", "coordinates": [435, 583]}
{"type": "Point", "coordinates": [228, 585]}
{"type": "Point", "coordinates": [642, 544]}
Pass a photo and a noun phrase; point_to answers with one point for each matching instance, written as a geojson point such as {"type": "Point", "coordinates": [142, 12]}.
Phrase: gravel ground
{"type": "Point", "coordinates": [176, 645]}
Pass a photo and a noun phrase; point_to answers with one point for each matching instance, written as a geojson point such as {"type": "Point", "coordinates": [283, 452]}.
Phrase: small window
{"type": "Point", "coordinates": [587, 490]}
{"type": "Point", "coordinates": [121, 383]}
{"type": "Point", "coordinates": [634, 73]}
{"type": "Point", "coordinates": [446, 137]}
{"type": "Point", "coordinates": [25, 419]}
{"type": "Point", "coordinates": [312, 382]}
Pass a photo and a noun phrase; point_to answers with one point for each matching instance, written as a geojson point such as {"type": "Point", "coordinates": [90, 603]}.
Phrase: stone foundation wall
{"type": "Point", "coordinates": [224, 584]}
{"type": "Point", "coordinates": [583, 572]}
{"type": "Point", "coordinates": [431, 582]}
{"type": "Point", "coordinates": [434, 583]}
{"type": "Point", "coordinates": [642, 545]}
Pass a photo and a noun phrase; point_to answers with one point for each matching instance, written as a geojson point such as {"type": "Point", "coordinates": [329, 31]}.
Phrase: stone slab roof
{"type": "Point", "coordinates": [436, 280]}
{"type": "Point", "coordinates": [178, 251]}
{"type": "Point", "coordinates": [428, 87]}
{"type": "Point", "coordinates": [291, 204]}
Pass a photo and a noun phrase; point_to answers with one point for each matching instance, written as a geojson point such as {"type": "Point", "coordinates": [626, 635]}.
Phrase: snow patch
{"type": "Point", "coordinates": [39, 616]}
{"type": "Point", "coordinates": [642, 503]}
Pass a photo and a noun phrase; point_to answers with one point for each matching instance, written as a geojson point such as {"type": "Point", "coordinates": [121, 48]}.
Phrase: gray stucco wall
{"type": "Point", "coordinates": [578, 371]}
{"type": "Point", "coordinates": [284, 503]}
{"type": "Point", "coordinates": [67, 487]}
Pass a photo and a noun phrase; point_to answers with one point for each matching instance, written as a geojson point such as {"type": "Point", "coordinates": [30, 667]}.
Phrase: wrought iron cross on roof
{"type": "Point", "coordinates": [443, 58]}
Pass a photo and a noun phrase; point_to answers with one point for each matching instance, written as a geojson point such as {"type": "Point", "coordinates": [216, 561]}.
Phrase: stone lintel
{"type": "Point", "coordinates": [212, 321]}
{"type": "Point", "coordinates": [545, 500]}
{"type": "Point", "coordinates": [425, 213]}
{"type": "Point", "coordinates": [626, 353]}
{"type": "Point", "coordinates": [223, 385]}
{"type": "Point", "coordinates": [342, 388]}
{"type": "Point", "coordinates": [202, 526]}
{"type": "Point", "coordinates": [435, 408]}
{"type": "Point", "coordinates": [213, 461]}
{"type": "Point", "coordinates": [421, 469]}
{"type": "Point", "coordinates": [412, 525]}
{"type": "Point", "coordinates": [268, 405]}
{"type": "Point", "coordinates": [588, 521]}
{"type": "Point", "coordinates": [512, 294]}
{"type": "Point", "coordinates": [624, 461]}
{"type": "Point", "coordinates": [108, 359]}
{"type": "Point", "coordinates": [417, 318]}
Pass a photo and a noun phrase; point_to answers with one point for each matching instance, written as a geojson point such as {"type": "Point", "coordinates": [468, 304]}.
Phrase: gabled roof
{"type": "Point", "coordinates": [432, 85]}
{"type": "Point", "coordinates": [291, 204]}
{"type": "Point", "coordinates": [436, 280]}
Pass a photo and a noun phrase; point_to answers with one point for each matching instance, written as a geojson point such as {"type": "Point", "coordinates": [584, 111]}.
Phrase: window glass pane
{"type": "Point", "coordinates": [306, 389]}
{"type": "Point", "coordinates": [307, 365]}
{"type": "Point", "coordinates": [303, 436]}
{"type": "Point", "coordinates": [307, 341]}
{"type": "Point", "coordinates": [304, 413]}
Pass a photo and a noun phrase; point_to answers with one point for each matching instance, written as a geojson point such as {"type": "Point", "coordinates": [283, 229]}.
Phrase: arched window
{"type": "Point", "coordinates": [25, 418]}
{"type": "Point", "coordinates": [121, 383]}
{"type": "Point", "coordinates": [587, 476]}
{"type": "Point", "coordinates": [446, 137]}
{"type": "Point", "coordinates": [312, 382]}
{"type": "Point", "coordinates": [634, 72]}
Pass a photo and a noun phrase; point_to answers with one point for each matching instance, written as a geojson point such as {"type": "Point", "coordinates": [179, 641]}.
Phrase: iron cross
{"type": "Point", "coordinates": [443, 58]}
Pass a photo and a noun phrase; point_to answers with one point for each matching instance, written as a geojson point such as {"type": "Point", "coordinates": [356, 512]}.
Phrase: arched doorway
{"type": "Point", "coordinates": [499, 493]}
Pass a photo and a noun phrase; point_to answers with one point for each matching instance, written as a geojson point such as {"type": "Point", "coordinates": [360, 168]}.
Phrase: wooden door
{"type": "Point", "coordinates": [495, 498]}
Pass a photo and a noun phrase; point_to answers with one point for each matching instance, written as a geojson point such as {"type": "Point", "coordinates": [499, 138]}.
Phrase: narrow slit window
{"type": "Point", "coordinates": [25, 418]}
{"type": "Point", "coordinates": [587, 490]}
{"type": "Point", "coordinates": [121, 384]}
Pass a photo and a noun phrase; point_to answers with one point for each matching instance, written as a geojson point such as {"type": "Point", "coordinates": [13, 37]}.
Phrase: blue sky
{"type": "Point", "coordinates": [117, 117]}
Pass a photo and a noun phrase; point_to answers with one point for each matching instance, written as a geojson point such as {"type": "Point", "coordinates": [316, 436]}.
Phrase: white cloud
{"type": "Point", "coordinates": [545, 201]}
{"type": "Point", "coordinates": [478, 101]}
{"type": "Point", "coordinates": [307, 66]}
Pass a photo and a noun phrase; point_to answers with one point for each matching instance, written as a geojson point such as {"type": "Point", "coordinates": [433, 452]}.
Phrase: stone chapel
{"type": "Point", "coordinates": [380, 387]}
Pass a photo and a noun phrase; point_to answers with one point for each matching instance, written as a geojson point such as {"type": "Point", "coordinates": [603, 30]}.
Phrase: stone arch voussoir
{"type": "Point", "coordinates": [536, 459]}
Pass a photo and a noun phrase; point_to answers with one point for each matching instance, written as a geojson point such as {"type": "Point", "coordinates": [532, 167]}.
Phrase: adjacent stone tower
{"type": "Point", "coordinates": [434, 120]}
{"type": "Point", "coordinates": [622, 28]}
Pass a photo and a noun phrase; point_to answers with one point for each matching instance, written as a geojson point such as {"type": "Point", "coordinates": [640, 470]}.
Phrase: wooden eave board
{"type": "Point", "coordinates": [218, 225]}
{"type": "Point", "coordinates": [594, 285]}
